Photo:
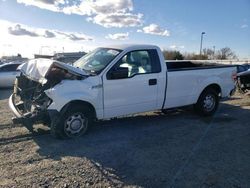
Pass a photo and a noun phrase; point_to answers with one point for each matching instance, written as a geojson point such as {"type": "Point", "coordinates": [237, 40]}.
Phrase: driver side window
{"type": "Point", "coordinates": [136, 62]}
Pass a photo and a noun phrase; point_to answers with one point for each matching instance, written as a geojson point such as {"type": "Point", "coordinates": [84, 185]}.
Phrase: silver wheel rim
{"type": "Point", "coordinates": [209, 103]}
{"type": "Point", "coordinates": [75, 124]}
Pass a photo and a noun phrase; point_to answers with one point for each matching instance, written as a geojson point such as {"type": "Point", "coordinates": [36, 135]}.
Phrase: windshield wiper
{"type": "Point", "coordinates": [90, 72]}
{"type": "Point", "coordinates": [86, 71]}
{"type": "Point", "coordinates": [93, 73]}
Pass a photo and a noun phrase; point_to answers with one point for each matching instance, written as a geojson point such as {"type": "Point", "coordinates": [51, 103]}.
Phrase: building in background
{"type": "Point", "coordinates": [65, 57]}
{"type": "Point", "coordinates": [43, 56]}
{"type": "Point", "coordinates": [68, 57]}
{"type": "Point", "coordinates": [17, 58]}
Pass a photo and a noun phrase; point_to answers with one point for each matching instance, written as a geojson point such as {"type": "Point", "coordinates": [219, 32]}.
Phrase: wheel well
{"type": "Point", "coordinates": [89, 107]}
{"type": "Point", "coordinates": [215, 87]}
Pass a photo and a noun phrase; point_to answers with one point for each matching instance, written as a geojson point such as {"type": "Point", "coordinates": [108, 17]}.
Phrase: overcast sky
{"type": "Point", "coordinates": [48, 26]}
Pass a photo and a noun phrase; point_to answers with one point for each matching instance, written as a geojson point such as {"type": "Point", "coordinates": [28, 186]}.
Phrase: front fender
{"type": "Point", "coordinates": [71, 90]}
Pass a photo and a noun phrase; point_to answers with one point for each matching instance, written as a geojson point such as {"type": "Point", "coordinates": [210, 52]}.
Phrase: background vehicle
{"type": "Point", "coordinates": [111, 82]}
{"type": "Point", "coordinates": [242, 68]}
{"type": "Point", "coordinates": [8, 73]}
{"type": "Point", "coordinates": [243, 81]}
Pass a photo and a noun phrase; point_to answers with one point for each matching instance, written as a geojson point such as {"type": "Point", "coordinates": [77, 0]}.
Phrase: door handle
{"type": "Point", "coordinates": [152, 82]}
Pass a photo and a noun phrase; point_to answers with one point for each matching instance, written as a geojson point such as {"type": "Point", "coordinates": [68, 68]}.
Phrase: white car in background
{"type": "Point", "coordinates": [8, 73]}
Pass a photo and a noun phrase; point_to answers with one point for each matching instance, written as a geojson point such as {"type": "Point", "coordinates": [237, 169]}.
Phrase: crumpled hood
{"type": "Point", "coordinates": [36, 69]}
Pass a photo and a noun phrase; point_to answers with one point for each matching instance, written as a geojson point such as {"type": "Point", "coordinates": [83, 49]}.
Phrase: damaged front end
{"type": "Point", "coordinates": [29, 101]}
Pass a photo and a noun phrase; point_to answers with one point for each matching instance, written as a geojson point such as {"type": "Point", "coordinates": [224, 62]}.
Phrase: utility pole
{"type": "Point", "coordinates": [203, 33]}
{"type": "Point", "coordinates": [214, 51]}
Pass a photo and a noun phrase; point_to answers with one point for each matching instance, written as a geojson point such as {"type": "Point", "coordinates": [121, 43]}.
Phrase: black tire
{"type": "Point", "coordinates": [207, 103]}
{"type": "Point", "coordinates": [73, 123]}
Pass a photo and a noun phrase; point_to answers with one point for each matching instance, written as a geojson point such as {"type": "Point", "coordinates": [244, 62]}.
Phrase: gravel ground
{"type": "Point", "coordinates": [180, 149]}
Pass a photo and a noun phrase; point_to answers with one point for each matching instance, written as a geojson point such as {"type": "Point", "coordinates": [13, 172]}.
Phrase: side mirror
{"type": "Point", "coordinates": [118, 73]}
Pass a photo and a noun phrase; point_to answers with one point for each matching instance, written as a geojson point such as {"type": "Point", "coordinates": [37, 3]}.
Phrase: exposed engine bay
{"type": "Point", "coordinates": [29, 97]}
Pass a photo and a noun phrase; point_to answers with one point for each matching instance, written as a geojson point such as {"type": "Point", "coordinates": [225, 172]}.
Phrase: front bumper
{"type": "Point", "coordinates": [31, 117]}
{"type": "Point", "coordinates": [13, 107]}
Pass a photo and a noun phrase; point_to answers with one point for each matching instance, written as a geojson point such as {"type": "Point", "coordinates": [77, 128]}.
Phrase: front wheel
{"type": "Point", "coordinates": [73, 123]}
{"type": "Point", "coordinates": [207, 103]}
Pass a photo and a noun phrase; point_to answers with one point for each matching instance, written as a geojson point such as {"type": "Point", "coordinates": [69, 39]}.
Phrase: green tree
{"type": "Point", "coordinates": [172, 55]}
{"type": "Point", "coordinates": [193, 56]}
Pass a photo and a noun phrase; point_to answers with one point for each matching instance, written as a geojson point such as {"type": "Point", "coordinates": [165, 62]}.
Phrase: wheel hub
{"type": "Point", "coordinates": [209, 103]}
{"type": "Point", "coordinates": [74, 124]}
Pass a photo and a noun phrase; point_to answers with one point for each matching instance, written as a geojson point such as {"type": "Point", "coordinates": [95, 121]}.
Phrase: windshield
{"type": "Point", "coordinates": [95, 61]}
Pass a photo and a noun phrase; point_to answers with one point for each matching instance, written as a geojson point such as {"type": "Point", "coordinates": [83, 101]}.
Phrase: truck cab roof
{"type": "Point", "coordinates": [132, 46]}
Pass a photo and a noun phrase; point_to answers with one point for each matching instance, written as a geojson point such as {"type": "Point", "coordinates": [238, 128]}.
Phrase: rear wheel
{"type": "Point", "coordinates": [207, 103]}
{"type": "Point", "coordinates": [73, 123]}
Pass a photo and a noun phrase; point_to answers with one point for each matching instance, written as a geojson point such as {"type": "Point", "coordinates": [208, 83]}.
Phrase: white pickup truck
{"type": "Point", "coordinates": [114, 81]}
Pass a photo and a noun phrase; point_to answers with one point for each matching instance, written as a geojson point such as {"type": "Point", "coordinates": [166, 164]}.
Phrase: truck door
{"type": "Point", "coordinates": [131, 85]}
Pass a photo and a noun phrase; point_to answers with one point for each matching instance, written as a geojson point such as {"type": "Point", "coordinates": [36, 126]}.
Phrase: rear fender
{"type": "Point", "coordinates": [206, 83]}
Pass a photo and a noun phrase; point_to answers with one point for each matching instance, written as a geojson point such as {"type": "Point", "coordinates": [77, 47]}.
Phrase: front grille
{"type": "Point", "coordinates": [29, 95]}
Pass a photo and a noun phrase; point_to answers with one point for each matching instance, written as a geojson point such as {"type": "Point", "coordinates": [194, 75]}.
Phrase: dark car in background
{"type": "Point", "coordinates": [242, 68]}
{"type": "Point", "coordinates": [243, 78]}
